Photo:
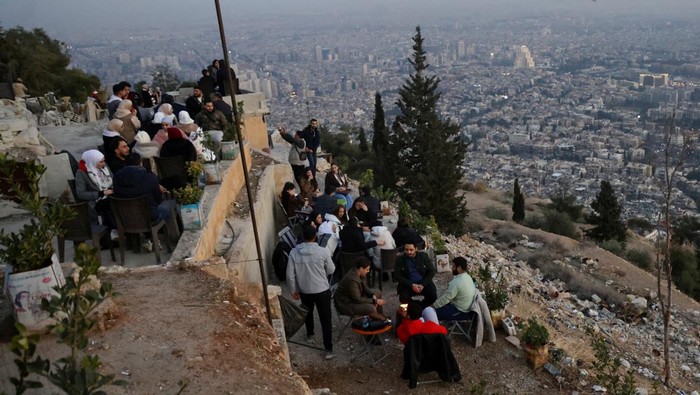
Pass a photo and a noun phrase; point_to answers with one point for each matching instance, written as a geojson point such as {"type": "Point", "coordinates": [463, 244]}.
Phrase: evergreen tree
{"type": "Point", "coordinates": [518, 203]}
{"type": "Point", "coordinates": [165, 78]}
{"type": "Point", "coordinates": [383, 174]}
{"type": "Point", "coordinates": [362, 138]}
{"type": "Point", "coordinates": [425, 151]}
{"type": "Point", "coordinates": [606, 216]}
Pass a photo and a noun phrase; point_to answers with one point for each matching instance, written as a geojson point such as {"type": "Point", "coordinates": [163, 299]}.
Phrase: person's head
{"type": "Point", "coordinates": [197, 91]}
{"type": "Point", "coordinates": [316, 218]}
{"type": "Point", "coordinates": [167, 98]}
{"type": "Point", "coordinates": [115, 125]}
{"type": "Point", "coordinates": [209, 106]}
{"type": "Point", "coordinates": [329, 189]}
{"type": "Point", "coordinates": [358, 203]}
{"type": "Point", "coordinates": [297, 135]}
{"type": "Point", "coordinates": [362, 264]}
{"type": "Point", "coordinates": [117, 89]}
{"type": "Point", "coordinates": [125, 89]}
{"type": "Point", "coordinates": [166, 109]}
{"type": "Point", "coordinates": [142, 138]}
{"type": "Point", "coordinates": [414, 310]}
{"type": "Point", "coordinates": [402, 222]}
{"type": "Point", "coordinates": [354, 222]}
{"type": "Point", "coordinates": [410, 250]}
{"type": "Point", "coordinates": [313, 123]}
{"type": "Point", "coordinates": [18, 80]}
{"type": "Point", "coordinates": [366, 190]}
{"type": "Point", "coordinates": [125, 105]}
{"type": "Point", "coordinates": [93, 159]}
{"type": "Point", "coordinates": [121, 149]}
{"type": "Point", "coordinates": [308, 173]}
{"type": "Point", "coordinates": [459, 265]}
{"type": "Point", "coordinates": [309, 233]}
{"type": "Point", "coordinates": [144, 87]}
{"type": "Point", "coordinates": [215, 63]}
{"type": "Point", "coordinates": [288, 188]}
{"type": "Point", "coordinates": [184, 118]}
{"type": "Point", "coordinates": [134, 159]}
{"type": "Point", "coordinates": [174, 133]}
{"type": "Point", "coordinates": [339, 212]}
{"type": "Point", "coordinates": [216, 96]}
{"type": "Point", "coordinates": [334, 167]}
{"type": "Point", "coordinates": [205, 72]}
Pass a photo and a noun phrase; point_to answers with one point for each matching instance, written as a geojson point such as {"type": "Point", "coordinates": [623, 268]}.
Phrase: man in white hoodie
{"type": "Point", "coordinates": [308, 269]}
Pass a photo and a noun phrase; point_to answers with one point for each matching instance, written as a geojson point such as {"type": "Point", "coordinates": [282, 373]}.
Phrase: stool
{"type": "Point", "coordinates": [375, 335]}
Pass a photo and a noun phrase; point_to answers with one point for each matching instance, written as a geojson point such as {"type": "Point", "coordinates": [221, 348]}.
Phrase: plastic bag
{"type": "Point", "coordinates": [293, 314]}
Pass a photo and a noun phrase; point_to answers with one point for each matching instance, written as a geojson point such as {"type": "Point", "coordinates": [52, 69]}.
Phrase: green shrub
{"type": "Point", "coordinates": [560, 223]}
{"type": "Point", "coordinates": [607, 368]}
{"type": "Point", "coordinates": [640, 258]}
{"type": "Point", "coordinates": [495, 213]}
{"type": "Point", "coordinates": [534, 334]}
{"type": "Point", "coordinates": [472, 224]}
{"type": "Point", "coordinates": [534, 221]}
{"type": "Point", "coordinates": [613, 246]}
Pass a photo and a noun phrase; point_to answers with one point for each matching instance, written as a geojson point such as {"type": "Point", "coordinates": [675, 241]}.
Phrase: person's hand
{"type": "Point", "coordinates": [108, 192]}
{"type": "Point", "coordinates": [282, 130]}
{"type": "Point", "coordinates": [308, 149]}
{"type": "Point", "coordinates": [416, 288]}
{"type": "Point", "coordinates": [380, 302]}
{"type": "Point", "coordinates": [341, 190]}
{"type": "Point", "coordinates": [162, 189]}
{"type": "Point", "coordinates": [381, 243]}
{"type": "Point", "coordinates": [296, 295]}
{"type": "Point", "coordinates": [402, 312]}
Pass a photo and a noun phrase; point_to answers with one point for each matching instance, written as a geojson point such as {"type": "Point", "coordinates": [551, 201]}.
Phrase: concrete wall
{"type": "Point", "coordinates": [201, 244]}
{"type": "Point", "coordinates": [242, 263]}
{"type": "Point", "coordinates": [255, 130]}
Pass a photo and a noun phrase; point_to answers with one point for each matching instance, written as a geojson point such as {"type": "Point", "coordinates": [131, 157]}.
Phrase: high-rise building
{"type": "Point", "coordinates": [318, 54]}
{"type": "Point", "coordinates": [653, 80]}
{"type": "Point", "coordinates": [461, 49]}
{"type": "Point", "coordinates": [523, 59]}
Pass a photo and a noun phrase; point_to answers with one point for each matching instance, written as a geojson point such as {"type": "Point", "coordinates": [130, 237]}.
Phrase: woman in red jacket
{"type": "Point", "coordinates": [413, 324]}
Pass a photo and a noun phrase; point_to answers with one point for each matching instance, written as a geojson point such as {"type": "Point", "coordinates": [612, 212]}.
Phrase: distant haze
{"type": "Point", "coordinates": [98, 17]}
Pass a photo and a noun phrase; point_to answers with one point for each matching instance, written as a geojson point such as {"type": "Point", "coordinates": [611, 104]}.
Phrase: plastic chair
{"type": "Point", "coordinates": [388, 258]}
{"type": "Point", "coordinates": [173, 166]}
{"type": "Point", "coordinates": [133, 216]}
{"type": "Point", "coordinates": [348, 259]}
{"type": "Point", "coordinates": [346, 324]}
{"type": "Point", "coordinates": [80, 229]}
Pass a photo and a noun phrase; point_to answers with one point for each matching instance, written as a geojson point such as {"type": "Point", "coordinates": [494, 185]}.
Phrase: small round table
{"type": "Point", "coordinates": [374, 335]}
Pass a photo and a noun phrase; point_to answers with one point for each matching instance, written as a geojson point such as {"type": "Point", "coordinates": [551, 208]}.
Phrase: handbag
{"type": "Point", "coordinates": [302, 154]}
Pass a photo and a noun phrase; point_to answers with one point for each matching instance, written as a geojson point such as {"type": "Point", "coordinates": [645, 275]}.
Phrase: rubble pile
{"type": "Point", "coordinates": [634, 328]}
{"type": "Point", "coordinates": [19, 135]}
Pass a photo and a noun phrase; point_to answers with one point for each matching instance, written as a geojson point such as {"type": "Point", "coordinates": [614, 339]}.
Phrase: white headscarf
{"type": "Point", "coordinates": [113, 128]}
{"type": "Point", "coordinates": [184, 118]}
{"type": "Point", "coordinates": [124, 109]}
{"type": "Point", "coordinates": [101, 177]}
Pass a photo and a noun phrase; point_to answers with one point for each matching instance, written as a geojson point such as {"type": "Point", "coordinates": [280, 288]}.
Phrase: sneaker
{"type": "Point", "coordinates": [114, 235]}
{"type": "Point", "coordinates": [329, 355]}
{"type": "Point", "coordinates": [147, 245]}
{"type": "Point", "coordinates": [310, 339]}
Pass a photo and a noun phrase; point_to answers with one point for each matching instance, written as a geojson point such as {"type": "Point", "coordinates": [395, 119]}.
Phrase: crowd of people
{"type": "Point", "coordinates": [145, 124]}
{"type": "Point", "coordinates": [334, 223]}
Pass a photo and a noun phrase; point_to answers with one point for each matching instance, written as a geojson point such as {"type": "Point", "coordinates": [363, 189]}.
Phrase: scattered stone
{"type": "Point", "coordinates": [321, 391]}
{"type": "Point", "coordinates": [514, 341]}
{"type": "Point", "coordinates": [598, 388]}
{"type": "Point", "coordinates": [640, 303]}
{"type": "Point", "coordinates": [625, 363]}
{"type": "Point", "coordinates": [685, 368]}
{"type": "Point", "coordinates": [568, 361]}
{"type": "Point", "coordinates": [641, 391]}
{"type": "Point", "coordinates": [551, 369]}
{"type": "Point", "coordinates": [596, 299]}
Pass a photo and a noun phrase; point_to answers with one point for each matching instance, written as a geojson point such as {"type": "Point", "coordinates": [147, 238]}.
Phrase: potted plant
{"type": "Point", "coordinates": [385, 195]}
{"type": "Point", "coordinates": [189, 198]}
{"type": "Point", "coordinates": [32, 269]}
{"type": "Point", "coordinates": [495, 294]}
{"type": "Point", "coordinates": [536, 338]}
{"type": "Point", "coordinates": [442, 258]}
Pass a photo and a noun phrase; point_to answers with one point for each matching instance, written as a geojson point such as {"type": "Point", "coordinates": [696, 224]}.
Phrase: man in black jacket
{"type": "Point", "coordinates": [207, 83]}
{"type": "Point", "coordinates": [415, 274]}
{"type": "Point", "coordinates": [326, 203]}
{"type": "Point", "coordinates": [312, 136]}
{"type": "Point", "coordinates": [194, 103]}
{"type": "Point", "coordinates": [134, 181]}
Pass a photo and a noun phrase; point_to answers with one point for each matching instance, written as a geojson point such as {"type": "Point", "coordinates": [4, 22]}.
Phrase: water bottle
{"type": "Point", "coordinates": [365, 322]}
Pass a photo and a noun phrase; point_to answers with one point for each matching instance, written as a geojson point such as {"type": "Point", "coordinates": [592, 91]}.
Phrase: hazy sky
{"type": "Point", "coordinates": [61, 16]}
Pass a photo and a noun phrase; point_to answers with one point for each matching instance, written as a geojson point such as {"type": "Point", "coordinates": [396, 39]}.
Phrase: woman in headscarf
{"type": "Point", "coordinates": [166, 122]}
{"type": "Point", "coordinates": [178, 145]}
{"type": "Point", "coordinates": [127, 113]}
{"type": "Point", "coordinates": [111, 134]}
{"type": "Point", "coordinates": [185, 123]}
{"type": "Point", "coordinates": [147, 149]}
{"type": "Point", "coordinates": [93, 183]}
{"type": "Point", "coordinates": [168, 115]}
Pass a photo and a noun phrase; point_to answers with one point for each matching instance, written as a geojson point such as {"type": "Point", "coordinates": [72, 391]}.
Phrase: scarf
{"type": "Point", "coordinates": [101, 177]}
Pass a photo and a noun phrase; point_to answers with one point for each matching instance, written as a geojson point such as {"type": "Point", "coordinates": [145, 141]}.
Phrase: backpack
{"type": "Point", "coordinates": [279, 260]}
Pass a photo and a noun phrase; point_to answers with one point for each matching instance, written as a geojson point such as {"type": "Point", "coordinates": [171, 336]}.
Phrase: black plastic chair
{"type": "Point", "coordinates": [388, 259]}
{"type": "Point", "coordinates": [80, 229]}
{"type": "Point", "coordinates": [133, 216]}
{"type": "Point", "coordinates": [348, 259]}
{"type": "Point", "coordinates": [173, 166]}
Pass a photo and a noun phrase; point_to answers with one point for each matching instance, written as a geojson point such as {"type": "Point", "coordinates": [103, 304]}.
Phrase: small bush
{"type": "Point", "coordinates": [480, 187]}
{"type": "Point", "coordinates": [534, 221]}
{"type": "Point", "coordinates": [613, 246]}
{"type": "Point", "coordinates": [508, 236]}
{"type": "Point", "coordinates": [472, 224]}
{"type": "Point", "coordinates": [560, 223]}
{"type": "Point", "coordinates": [495, 213]}
{"type": "Point", "coordinates": [640, 258]}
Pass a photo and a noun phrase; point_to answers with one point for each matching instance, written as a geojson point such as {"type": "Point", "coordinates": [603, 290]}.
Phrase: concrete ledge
{"type": "Point", "coordinates": [201, 244]}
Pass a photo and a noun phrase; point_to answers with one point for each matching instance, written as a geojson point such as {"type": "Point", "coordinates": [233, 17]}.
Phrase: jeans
{"type": "Point", "coordinates": [322, 301]}
{"type": "Point", "coordinates": [449, 312]}
{"type": "Point", "coordinates": [165, 209]}
{"type": "Point", "coordinates": [311, 156]}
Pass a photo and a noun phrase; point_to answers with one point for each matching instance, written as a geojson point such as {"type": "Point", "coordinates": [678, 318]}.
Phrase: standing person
{"type": "Point", "coordinates": [312, 136]}
{"type": "Point", "coordinates": [455, 303]}
{"type": "Point", "coordinates": [146, 97]}
{"type": "Point", "coordinates": [194, 103]}
{"type": "Point", "coordinates": [211, 119]}
{"type": "Point", "coordinates": [415, 273]}
{"type": "Point", "coordinates": [20, 90]}
{"type": "Point", "coordinates": [130, 123]}
{"type": "Point", "coordinates": [120, 92]}
{"type": "Point", "coordinates": [221, 105]}
{"type": "Point", "coordinates": [297, 157]}
{"type": "Point", "coordinates": [207, 83]}
{"type": "Point", "coordinates": [308, 270]}
{"type": "Point", "coordinates": [222, 79]}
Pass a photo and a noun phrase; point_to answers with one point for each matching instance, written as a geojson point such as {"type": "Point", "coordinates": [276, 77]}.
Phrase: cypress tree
{"type": "Point", "coordinates": [425, 151]}
{"type": "Point", "coordinates": [518, 203]}
{"type": "Point", "coordinates": [607, 216]}
{"type": "Point", "coordinates": [379, 138]}
{"type": "Point", "coordinates": [363, 145]}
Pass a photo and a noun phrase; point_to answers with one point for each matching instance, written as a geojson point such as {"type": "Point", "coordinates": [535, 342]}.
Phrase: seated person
{"type": "Point", "coordinates": [455, 303]}
{"type": "Point", "coordinates": [416, 321]}
{"type": "Point", "coordinates": [93, 183]}
{"type": "Point", "coordinates": [371, 202]}
{"type": "Point", "coordinates": [134, 181]}
{"type": "Point", "coordinates": [354, 297]}
{"type": "Point", "coordinates": [352, 239]}
{"type": "Point", "coordinates": [380, 233]}
{"type": "Point", "coordinates": [415, 273]}
{"type": "Point", "coordinates": [340, 181]}
{"type": "Point", "coordinates": [308, 184]}
{"type": "Point", "coordinates": [126, 112]}
{"type": "Point", "coordinates": [315, 219]}
{"type": "Point", "coordinates": [405, 234]}
{"type": "Point", "coordinates": [291, 201]}
{"type": "Point", "coordinates": [119, 153]}
{"type": "Point", "coordinates": [178, 144]}
{"type": "Point", "coordinates": [342, 215]}
{"type": "Point", "coordinates": [110, 134]}
{"type": "Point", "coordinates": [360, 210]}
{"type": "Point", "coordinates": [327, 202]}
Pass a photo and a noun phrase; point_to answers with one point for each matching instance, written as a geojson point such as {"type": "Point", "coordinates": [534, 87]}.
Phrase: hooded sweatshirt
{"type": "Point", "coordinates": [308, 268]}
{"type": "Point", "coordinates": [380, 233]}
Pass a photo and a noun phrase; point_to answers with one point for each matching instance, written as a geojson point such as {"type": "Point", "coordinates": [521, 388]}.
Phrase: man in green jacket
{"type": "Point", "coordinates": [354, 297]}
{"type": "Point", "coordinates": [415, 274]}
{"type": "Point", "coordinates": [455, 304]}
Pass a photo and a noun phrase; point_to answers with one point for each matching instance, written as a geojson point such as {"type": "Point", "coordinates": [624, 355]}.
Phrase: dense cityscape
{"type": "Point", "coordinates": [560, 102]}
